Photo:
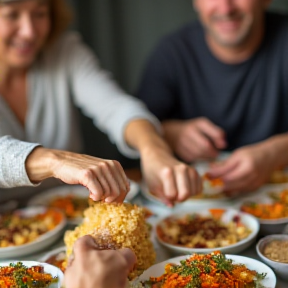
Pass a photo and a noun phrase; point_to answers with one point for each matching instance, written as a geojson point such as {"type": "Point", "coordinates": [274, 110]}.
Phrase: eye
{"type": "Point", "coordinates": [12, 15]}
{"type": "Point", "coordinates": [41, 13]}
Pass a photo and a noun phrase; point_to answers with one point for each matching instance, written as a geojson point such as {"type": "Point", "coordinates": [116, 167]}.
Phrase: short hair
{"type": "Point", "coordinates": [61, 17]}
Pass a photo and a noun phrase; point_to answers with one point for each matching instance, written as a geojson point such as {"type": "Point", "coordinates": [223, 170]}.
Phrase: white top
{"type": "Point", "coordinates": [66, 76]}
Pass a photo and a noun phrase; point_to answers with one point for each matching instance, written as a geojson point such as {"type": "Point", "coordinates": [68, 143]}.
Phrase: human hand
{"type": "Point", "coordinates": [105, 179]}
{"type": "Point", "coordinates": [92, 268]}
{"type": "Point", "coordinates": [245, 170]}
{"type": "Point", "coordinates": [169, 179]}
{"type": "Point", "coordinates": [194, 139]}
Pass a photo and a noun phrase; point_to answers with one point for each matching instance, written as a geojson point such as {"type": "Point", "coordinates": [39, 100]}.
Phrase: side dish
{"type": "Point", "coordinates": [17, 229]}
{"type": "Point", "coordinates": [275, 210]}
{"type": "Point", "coordinates": [277, 250]}
{"type": "Point", "coordinates": [199, 231]}
{"type": "Point", "coordinates": [19, 276]}
{"type": "Point", "coordinates": [206, 271]}
{"type": "Point", "coordinates": [73, 206]}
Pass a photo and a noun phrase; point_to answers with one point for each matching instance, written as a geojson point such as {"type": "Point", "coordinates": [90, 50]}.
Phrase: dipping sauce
{"type": "Point", "coordinates": [277, 250]}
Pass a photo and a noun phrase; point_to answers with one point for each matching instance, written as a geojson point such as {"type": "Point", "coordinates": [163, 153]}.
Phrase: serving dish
{"type": "Point", "coordinates": [52, 270]}
{"type": "Point", "coordinates": [41, 241]}
{"type": "Point", "coordinates": [280, 268]}
{"type": "Point", "coordinates": [245, 223]}
{"type": "Point", "coordinates": [266, 196]}
{"type": "Point", "coordinates": [55, 257]}
{"type": "Point", "coordinates": [158, 269]}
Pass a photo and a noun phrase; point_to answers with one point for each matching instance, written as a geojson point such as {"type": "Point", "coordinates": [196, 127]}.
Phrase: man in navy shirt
{"type": "Point", "coordinates": [221, 83]}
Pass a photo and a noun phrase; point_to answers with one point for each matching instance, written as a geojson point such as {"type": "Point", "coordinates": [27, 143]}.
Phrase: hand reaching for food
{"type": "Point", "coordinates": [105, 179]}
{"type": "Point", "coordinates": [245, 170]}
{"type": "Point", "coordinates": [194, 139]}
{"type": "Point", "coordinates": [92, 268]}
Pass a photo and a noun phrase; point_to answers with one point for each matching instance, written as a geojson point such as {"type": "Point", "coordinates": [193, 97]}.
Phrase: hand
{"type": "Point", "coordinates": [169, 179]}
{"type": "Point", "coordinates": [105, 179]}
{"type": "Point", "coordinates": [246, 169]}
{"type": "Point", "coordinates": [92, 268]}
{"type": "Point", "coordinates": [194, 139]}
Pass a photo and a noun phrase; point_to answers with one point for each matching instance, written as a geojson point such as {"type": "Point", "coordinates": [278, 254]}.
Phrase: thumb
{"type": "Point", "coordinates": [129, 256]}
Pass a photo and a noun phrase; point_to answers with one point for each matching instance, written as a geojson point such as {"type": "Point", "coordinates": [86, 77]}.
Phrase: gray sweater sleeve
{"type": "Point", "coordinates": [13, 154]}
{"type": "Point", "coordinates": [100, 98]}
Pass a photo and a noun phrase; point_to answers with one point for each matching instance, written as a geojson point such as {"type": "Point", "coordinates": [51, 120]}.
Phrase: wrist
{"type": "Point", "coordinates": [39, 164]}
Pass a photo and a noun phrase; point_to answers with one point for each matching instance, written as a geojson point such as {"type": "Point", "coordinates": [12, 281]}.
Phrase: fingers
{"type": "Point", "coordinates": [215, 133]}
{"type": "Point", "coordinates": [129, 257]}
{"type": "Point", "coordinates": [180, 183]}
{"type": "Point", "coordinates": [221, 170]}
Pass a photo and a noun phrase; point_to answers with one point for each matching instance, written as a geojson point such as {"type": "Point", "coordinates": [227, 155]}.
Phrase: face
{"type": "Point", "coordinates": [231, 22]}
{"type": "Point", "coordinates": [24, 28]}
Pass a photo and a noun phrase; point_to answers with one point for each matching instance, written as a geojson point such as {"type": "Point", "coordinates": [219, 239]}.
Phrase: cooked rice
{"type": "Point", "coordinates": [116, 226]}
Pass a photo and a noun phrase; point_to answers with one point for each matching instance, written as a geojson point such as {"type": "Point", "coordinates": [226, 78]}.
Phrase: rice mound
{"type": "Point", "coordinates": [116, 226]}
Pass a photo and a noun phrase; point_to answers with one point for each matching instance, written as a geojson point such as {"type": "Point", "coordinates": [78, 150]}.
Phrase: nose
{"type": "Point", "coordinates": [27, 28]}
{"type": "Point", "coordinates": [226, 6]}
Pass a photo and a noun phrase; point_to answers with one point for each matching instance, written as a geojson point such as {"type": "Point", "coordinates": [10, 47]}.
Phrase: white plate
{"type": "Point", "coordinates": [54, 271]}
{"type": "Point", "coordinates": [41, 242]}
{"type": "Point", "coordinates": [249, 221]}
{"type": "Point", "coordinates": [267, 226]}
{"type": "Point", "coordinates": [76, 190]}
{"type": "Point", "coordinates": [269, 281]}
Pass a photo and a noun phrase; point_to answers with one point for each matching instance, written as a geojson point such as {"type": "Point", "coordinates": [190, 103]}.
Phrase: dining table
{"type": "Point", "coordinates": [158, 210]}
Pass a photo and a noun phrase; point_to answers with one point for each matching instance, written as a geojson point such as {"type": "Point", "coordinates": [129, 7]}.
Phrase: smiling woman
{"type": "Point", "coordinates": [47, 74]}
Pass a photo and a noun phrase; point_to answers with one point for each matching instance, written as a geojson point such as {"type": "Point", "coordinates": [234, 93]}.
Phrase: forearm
{"type": "Point", "coordinates": [171, 129]}
{"type": "Point", "coordinates": [142, 136]}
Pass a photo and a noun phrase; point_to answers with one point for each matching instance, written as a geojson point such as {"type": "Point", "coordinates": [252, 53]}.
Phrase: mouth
{"type": "Point", "coordinates": [23, 48]}
{"type": "Point", "coordinates": [228, 24]}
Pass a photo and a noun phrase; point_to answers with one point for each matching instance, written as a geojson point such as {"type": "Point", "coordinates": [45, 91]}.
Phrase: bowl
{"type": "Point", "coordinates": [281, 269]}
{"type": "Point", "coordinates": [44, 240]}
{"type": "Point", "coordinates": [55, 257]}
{"type": "Point", "coordinates": [54, 271]}
{"type": "Point", "coordinates": [158, 269]}
{"type": "Point", "coordinates": [249, 221]}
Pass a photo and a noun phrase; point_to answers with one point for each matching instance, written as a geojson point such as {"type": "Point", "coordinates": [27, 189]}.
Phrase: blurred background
{"type": "Point", "coordinates": [123, 33]}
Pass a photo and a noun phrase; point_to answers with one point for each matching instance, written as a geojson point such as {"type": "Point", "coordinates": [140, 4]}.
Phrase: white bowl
{"type": "Point", "coordinates": [267, 226]}
{"type": "Point", "coordinates": [269, 281]}
{"type": "Point", "coordinates": [60, 253]}
{"type": "Point", "coordinates": [54, 271]}
{"type": "Point", "coordinates": [249, 221]}
{"type": "Point", "coordinates": [40, 243]}
{"type": "Point", "coordinates": [281, 269]}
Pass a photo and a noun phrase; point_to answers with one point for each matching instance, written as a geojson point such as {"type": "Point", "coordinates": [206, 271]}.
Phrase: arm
{"type": "Point", "coordinates": [170, 179]}
{"type": "Point", "coordinates": [251, 166]}
{"type": "Point", "coordinates": [24, 164]}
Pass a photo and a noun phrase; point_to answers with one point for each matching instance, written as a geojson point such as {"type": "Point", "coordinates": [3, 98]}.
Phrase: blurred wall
{"type": "Point", "coordinates": [123, 33]}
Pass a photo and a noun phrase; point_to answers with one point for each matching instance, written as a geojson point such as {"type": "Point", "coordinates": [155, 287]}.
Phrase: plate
{"type": "Point", "coordinates": [75, 190]}
{"type": "Point", "coordinates": [58, 254]}
{"type": "Point", "coordinates": [269, 281]}
{"type": "Point", "coordinates": [54, 271]}
{"type": "Point", "coordinates": [267, 226]}
{"type": "Point", "coordinates": [249, 221]}
{"type": "Point", "coordinates": [40, 243]}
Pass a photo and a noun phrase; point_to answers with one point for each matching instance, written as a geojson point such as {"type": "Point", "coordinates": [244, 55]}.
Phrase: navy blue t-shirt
{"type": "Point", "coordinates": [184, 80]}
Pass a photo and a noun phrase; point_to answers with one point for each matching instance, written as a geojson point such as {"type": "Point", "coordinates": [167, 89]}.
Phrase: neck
{"type": "Point", "coordinates": [9, 75]}
{"type": "Point", "coordinates": [239, 53]}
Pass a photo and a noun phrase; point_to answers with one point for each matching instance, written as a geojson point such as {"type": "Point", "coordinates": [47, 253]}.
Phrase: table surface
{"type": "Point", "coordinates": [162, 253]}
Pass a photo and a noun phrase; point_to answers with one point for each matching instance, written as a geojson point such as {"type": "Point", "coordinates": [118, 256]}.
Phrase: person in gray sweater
{"type": "Point", "coordinates": [46, 74]}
